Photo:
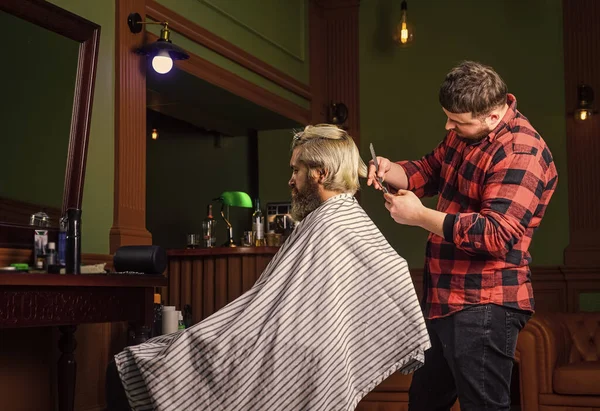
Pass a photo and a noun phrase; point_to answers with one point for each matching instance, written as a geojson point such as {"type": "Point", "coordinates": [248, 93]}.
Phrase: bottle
{"type": "Point", "coordinates": [187, 316]}
{"type": "Point", "coordinates": [258, 226]}
{"type": "Point", "coordinates": [51, 255]}
{"type": "Point", "coordinates": [62, 242]}
{"type": "Point", "coordinates": [73, 257]}
{"type": "Point", "coordinates": [157, 320]}
{"type": "Point", "coordinates": [209, 238]}
{"type": "Point", "coordinates": [40, 246]}
{"type": "Point", "coordinates": [180, 325]}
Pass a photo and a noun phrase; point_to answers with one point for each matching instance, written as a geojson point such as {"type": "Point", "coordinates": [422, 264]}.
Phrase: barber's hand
{"type": "Point", "coordinates": [385, 165]}
{"type": "Point", "coordinates": [404, 207]}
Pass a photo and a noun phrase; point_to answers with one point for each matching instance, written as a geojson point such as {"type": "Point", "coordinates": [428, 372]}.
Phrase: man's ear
{"type": "Point", "coordinates": [493, 118]}
{"type": "Point", "coordinates": [321, 174]}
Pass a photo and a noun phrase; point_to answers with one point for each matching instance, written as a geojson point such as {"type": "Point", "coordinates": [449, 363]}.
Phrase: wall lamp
{"type": "Point", "coordinates": [585, 100]}
{"type": "Point", "coordinates": [162, 51]}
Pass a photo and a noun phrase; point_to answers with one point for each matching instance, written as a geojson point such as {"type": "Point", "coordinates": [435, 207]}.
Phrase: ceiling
{"type": "Point", "coordinates": [188, 98]}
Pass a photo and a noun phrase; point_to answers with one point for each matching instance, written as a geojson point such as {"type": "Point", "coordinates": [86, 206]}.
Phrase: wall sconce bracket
{"type": "Point", "coordinates": [338, 113]}
{"type": "Point", "coordinates": [134, 21]}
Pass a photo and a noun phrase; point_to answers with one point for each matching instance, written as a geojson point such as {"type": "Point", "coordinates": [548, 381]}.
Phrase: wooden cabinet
{"type": "Point", "coordinates": [208, 279]}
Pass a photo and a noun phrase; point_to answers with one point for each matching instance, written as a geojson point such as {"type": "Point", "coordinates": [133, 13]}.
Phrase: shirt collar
{"type": "Point", "coordinates": [510, 114]}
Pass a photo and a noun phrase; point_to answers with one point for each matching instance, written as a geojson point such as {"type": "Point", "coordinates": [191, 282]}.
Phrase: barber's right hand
{"type": "Point", "coordinates": [385, 165]}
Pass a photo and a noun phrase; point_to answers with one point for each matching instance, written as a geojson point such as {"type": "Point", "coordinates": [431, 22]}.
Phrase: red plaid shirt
{"type": "Point", "coordinates": [495, 192]}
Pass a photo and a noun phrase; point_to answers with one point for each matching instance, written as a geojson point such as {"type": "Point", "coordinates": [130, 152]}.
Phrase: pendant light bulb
{"type": "Point", "coordinates": [405, 33]}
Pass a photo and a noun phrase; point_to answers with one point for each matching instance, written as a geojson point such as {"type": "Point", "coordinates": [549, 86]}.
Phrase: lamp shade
{"type": "Point", "coordinates": [236, 199]}
{"type": "Point", "coordinates": [163, 47]}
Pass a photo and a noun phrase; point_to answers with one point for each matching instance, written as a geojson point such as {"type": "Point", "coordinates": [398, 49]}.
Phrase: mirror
{"type": "Point", "coordinates": [46, 107]}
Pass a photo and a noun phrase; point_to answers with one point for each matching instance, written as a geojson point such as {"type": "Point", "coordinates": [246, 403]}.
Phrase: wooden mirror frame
{"type": "Point", "coordinates": [87, 34]}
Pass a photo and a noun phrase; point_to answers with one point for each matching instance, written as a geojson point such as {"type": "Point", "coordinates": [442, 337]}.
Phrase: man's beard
{"type": "Point", "coordinates": [306, 201]}
{"type": "Point", "coordinates": [478, 135]}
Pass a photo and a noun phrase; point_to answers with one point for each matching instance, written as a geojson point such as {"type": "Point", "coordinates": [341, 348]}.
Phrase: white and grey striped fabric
{"type": "Point", "coordinates": [333, 315]}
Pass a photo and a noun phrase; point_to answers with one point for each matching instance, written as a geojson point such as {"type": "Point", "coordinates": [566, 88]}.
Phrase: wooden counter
{"type": "Point", "coordinates": [210, 278]}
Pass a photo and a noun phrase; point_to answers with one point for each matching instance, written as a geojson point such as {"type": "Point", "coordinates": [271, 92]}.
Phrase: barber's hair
{"type": "Point", "coordinates": [326, 147]}
{"type": "Point", "coordinates": [472, 87]}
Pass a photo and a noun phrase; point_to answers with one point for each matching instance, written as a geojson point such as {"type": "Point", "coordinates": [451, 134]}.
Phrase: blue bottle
{"type": "Point", "coordinates": [62, 242]}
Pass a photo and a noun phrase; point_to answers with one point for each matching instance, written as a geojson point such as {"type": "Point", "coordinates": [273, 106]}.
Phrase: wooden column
{"type": "Point", "coordinates": [581, 36]}
{"type": "Point", "coordinates": [334, 72]}
{"type": "Point", "coordinates": [129, 220]}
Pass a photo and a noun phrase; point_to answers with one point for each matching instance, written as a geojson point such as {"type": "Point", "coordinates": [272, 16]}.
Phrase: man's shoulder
{"type": "Point", "coordinates": [522, 138]}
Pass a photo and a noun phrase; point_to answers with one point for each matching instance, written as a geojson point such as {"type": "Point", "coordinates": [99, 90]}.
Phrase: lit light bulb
{"type": "Point", "coordinates": [162, 63]}
{"type": "Point", "coordinates": [154, 134]}
{"type": "Point", "coordinates": [583, 115]}
{"type": "Point", "coordinates": [404, 33]}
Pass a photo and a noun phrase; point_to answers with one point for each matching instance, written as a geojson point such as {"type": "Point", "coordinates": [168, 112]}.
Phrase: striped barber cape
{"type": "Point", "coordinates": [333, 314]}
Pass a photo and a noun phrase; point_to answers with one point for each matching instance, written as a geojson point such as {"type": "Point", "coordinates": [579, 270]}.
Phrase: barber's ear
{"type": "Point", "coordinates": [493, 118]}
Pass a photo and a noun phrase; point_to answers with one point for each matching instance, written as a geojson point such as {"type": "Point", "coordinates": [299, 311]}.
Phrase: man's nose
{"type": "Point", "coordinates": [291, 182]}
{"type": "Point", "coordinates": [449, 125]}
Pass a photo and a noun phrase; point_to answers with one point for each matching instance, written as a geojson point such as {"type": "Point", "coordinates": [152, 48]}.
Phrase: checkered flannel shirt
{"type": "Point", "coordinates": [495, 192]}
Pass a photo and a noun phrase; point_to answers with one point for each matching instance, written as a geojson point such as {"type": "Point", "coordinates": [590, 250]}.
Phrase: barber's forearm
{"type": "Point", "coordinates": [432, 221]}
{"type": "Point", "coordinates": [396, 177]}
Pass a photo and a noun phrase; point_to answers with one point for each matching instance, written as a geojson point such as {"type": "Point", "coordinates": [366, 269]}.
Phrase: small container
{"type": "Point", "coordinates": [180, 324]}
{"type": "Point", "coordinates": [273, 239]}
{"type": "Point", "coordinates": [170, 319]}
{"type": "Point", "coordinates": [51, 254]}
{"type": "Point", "coordinates": [248, 239]}
{"type": "Point", "coordinates": [39, 219]}
{"type": "Point", "coordinates": [194, 240]}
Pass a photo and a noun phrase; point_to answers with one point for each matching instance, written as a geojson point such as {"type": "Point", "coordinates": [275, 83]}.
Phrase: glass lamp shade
{"type": "Point", "coordinates": [236, 199]}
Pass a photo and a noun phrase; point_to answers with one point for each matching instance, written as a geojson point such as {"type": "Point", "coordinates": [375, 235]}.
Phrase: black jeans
{"type": "Point", "coordinates": [471, 356]}
{"type": "Point", "coordinates": [116, 400]}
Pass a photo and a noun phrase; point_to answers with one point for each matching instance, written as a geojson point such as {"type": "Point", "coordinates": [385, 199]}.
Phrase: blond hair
{"type": "Point", "coordinates": [329, 148]}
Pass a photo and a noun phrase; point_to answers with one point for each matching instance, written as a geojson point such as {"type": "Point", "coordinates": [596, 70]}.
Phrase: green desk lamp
{"type": "Point", "coordinates": [233, 199]}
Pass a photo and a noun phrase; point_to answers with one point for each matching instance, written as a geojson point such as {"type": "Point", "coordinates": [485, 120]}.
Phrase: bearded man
{"type": "Point", "coordinates": [333, 314]}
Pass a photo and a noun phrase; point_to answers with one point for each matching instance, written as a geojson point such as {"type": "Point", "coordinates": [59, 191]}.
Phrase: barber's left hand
{"type": "Point", "coordinates": [404, 207]}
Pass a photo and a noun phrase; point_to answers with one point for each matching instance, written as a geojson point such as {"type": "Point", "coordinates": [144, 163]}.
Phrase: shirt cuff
{"type": "Point", "coordinates": [409, 171]}
{"type": "Point", "coordinates": [448, 227]}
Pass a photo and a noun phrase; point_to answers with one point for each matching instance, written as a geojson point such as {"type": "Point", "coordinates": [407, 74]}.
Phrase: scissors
{"type": "Point", "coordinates": [379, 179]}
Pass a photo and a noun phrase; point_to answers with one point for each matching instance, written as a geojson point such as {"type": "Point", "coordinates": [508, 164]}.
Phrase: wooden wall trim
{"type": "Point", "coordinates": [318, 59]}
{"type": "Point", "coordinates": [581, 37]}
{"type": "Point", "coordinates": [215, 43]}
{"type": "Point", "coordinates": [129, 219]}
{"type": "Point", "coordinates": [334, 60]}
{"type": "Point", "coordinates": [204, 69]}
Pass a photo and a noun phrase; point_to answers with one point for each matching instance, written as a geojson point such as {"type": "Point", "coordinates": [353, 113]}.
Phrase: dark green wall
{"type": "Point", "coordinates": [274, 165]}
{"type": "Point", "coordinates": [184, 172]}
{"type": "Point", "coordinates": [36, 105]}
{"type": "Point", "coordinates": [400, 113]}
{"type": "Point", "coordinates": [275, 31]}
